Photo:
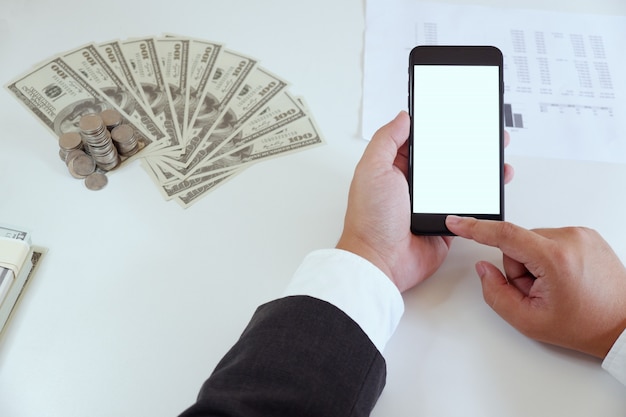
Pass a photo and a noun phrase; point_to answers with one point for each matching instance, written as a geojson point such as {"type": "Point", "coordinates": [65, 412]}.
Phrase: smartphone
{"type": "Point", "coordinates": [456, 142]}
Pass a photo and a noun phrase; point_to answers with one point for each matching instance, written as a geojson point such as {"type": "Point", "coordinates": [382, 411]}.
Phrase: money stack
{"type": "Point", "coordinates": [196, 112]}
{"type": "Point", "coordinates": [18, 261]}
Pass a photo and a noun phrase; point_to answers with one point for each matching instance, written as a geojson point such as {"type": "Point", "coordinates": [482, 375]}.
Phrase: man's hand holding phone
{"type": "Point", "coordinates": [377, 222]}
{"type": "Point", "coordinates": [378, 217]}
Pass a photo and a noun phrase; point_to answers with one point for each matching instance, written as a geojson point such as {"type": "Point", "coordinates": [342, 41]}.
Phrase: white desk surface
{"type": "Point", "coordinates": [138, 299]}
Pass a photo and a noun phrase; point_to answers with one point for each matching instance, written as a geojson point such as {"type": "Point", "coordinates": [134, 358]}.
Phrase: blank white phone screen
{"type": "Point", "coordinates": [456, 139]}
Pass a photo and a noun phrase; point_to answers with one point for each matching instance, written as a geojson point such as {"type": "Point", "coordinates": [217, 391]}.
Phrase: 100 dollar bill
{"type": "Point", "coordinates": [141, 56]}
{"type": "Point", "coordinates": [200, 70]}
{"type": "Point", "coordinates": [297, 136]}
{"type": "Point", "coordinates": [59, 97]}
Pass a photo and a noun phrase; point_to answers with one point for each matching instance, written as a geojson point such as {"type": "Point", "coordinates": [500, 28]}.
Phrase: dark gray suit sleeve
{"type": "Point", "coordinates": [298, 356]}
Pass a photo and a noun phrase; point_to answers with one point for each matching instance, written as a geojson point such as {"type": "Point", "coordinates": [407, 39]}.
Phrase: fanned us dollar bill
{"type": "Point", "coordinates": [292, 138]}
{"type": "Point", "coordinates": [203, 113]}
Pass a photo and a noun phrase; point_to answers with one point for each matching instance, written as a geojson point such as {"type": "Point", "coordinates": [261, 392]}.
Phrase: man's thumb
{"type": "Point", "coordinates": [504, 299]}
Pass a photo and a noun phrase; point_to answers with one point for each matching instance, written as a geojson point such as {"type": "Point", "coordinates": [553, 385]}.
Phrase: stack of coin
{"type": "Point", "coordinates": [111, 119]}
{"type": "Point", "coordinates": [98, 139]}
{"type": "Point", "coordinates": [68, 142]}
{"type": "Point", "coordinates": [125, 140]}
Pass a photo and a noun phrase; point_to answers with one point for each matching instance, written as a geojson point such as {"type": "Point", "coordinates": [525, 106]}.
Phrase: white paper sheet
{"type": "Point", "coordinates": [565, 74]}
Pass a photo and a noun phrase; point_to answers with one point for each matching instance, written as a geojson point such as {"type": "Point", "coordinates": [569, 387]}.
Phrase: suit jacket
{"type": "Point", "coordinates": [298, 356]}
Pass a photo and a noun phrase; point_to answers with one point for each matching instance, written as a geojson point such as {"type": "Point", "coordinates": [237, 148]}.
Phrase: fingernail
{"type": "Point", "coordinates": [452, 219]}
{"type": "Point", "coordinates": [399, 115]}
{"type": "Point", "coordinates": [480, 269]}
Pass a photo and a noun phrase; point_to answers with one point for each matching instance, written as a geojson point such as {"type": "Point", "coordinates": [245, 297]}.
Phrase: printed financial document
{"type": "Point", "coordinates": [564, 73]}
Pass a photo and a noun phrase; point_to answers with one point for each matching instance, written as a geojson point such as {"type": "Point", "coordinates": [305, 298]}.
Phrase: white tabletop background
{"type": "Point", "coordinates": [137, 299]}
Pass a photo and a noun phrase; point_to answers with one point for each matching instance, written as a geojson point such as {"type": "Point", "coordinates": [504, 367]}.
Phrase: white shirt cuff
{"type": "Point", "coordinates": [615, 361]}
{"type": "Point", "coordinates": [354, 285]}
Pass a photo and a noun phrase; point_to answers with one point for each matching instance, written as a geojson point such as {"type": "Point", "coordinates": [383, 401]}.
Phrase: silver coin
{"type": "Point", "coordinates": [73, 154]}
{"type": "Point", "coordinates": [96, 181]}
{"type": "Point", "coordinates": [111, 118]}
{"type": "Point", "coordinates": [123, 133]}
{"type": "Point", "coordinates": [70, 168]}
{"type": "Point", "coordinates": [91, 124]}
{"type": "Point", "coordinates": [82, 166]}
{"type": "Point", "coordinates": [70, 140]}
